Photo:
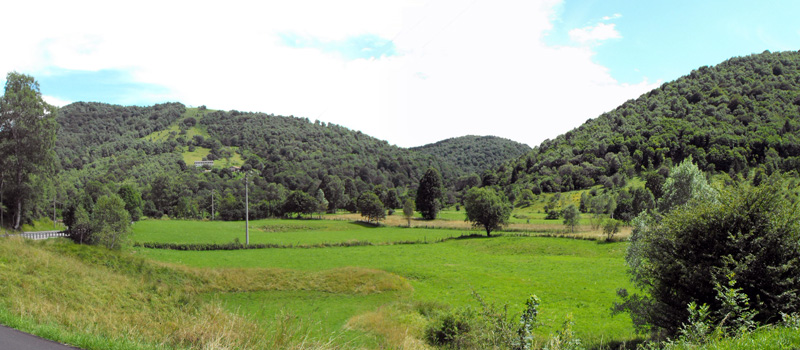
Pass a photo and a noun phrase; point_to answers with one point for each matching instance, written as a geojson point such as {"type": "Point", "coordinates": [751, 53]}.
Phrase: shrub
{"type": "Point", "coordinates": [110, 222]}
{"type": "Point", "coordinates": [450, 329]}
{"type": "Point", "coordinates": [610, 228]}
{"type": "Point", "coordinates": [750, 232]}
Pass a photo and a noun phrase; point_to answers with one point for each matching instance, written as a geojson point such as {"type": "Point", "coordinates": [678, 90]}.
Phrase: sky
{"type": "Point", "coordinates": [410, 72]}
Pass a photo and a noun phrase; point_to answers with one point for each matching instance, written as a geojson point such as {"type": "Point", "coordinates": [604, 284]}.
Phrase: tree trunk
{"type": "Point", "coordinates": [18, 214]}
{"type": "Point", "coordinates": [488, 232]}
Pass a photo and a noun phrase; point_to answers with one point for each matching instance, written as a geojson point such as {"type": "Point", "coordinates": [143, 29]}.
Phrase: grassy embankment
{"type": "Point", "coordinates": [97, 299]}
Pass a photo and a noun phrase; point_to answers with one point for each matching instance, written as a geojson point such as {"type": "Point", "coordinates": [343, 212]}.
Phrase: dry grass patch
{"type": "Point", "coordinates": [397, 324]}
{"type": "Point", "coordinates": [349, 280]}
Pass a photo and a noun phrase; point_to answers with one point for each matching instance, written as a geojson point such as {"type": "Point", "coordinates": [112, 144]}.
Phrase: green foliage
{"type": "Point", "coordinates": [610, 228]}
{"type": "Point", "coordinates": [79, 225]}
{"type": "Point", "coordinates": [371, 207]}
{"type": "Point", "coordinates": [729, 118]}
{"type": "Point", "coordinates": [133, 201]}
{"type": "Point", "coordinates": [27, 140]}
{"type": "Point", "coordinates": [408, 210]}
{"type": "Point", "coordinates": [685, 182]}
{"type": "Point", "coordinates": [571, 216]}
{"type": "Point", "coordinates": [486, 208]}
{"type": "Point", "coordinates": [429, 194]}
{"type": "Point", "coordinates": [699, 326]}
{"type": "Point", "coordinates": [474, 154]}
{"type": "Point", "coordinates": [751, 232]}
{"type": "Point", "coordinates": [299, 202]}
{"type": "Point", "coordinates": [527, 321]}
{"type": "Point", "coordinates": [110, 222]}
{"type": "Point", "coordinates": [451, 329]}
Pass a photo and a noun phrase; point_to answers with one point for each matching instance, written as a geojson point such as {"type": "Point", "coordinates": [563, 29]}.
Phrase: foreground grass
{"type": "Point", "coordinates": [99, 299]}
{"type": "Point", "coordinates": [767, 338]}
{"type": "Point", "coordinates": [570, 276]}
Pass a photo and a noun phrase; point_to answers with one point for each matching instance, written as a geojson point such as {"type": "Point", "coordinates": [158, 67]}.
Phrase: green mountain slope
{"type": "Point", "coordinates": [474, 154]}
{"type": "Point", "coordinates": [740, 114]}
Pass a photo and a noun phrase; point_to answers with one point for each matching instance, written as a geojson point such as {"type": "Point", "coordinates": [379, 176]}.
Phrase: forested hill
{"type": "Point", "coordinates": [296, 152]}
{"type": "Point", "coordinates": [474, 154]}
{"type": "Point", "coordinates": [740, 114]}
{"type": "Point", "coordinates": [89, 131]}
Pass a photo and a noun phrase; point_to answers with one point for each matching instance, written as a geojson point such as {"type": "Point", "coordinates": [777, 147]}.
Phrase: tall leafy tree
{"type": "Point", "coordinates": [300, 202]}
{"type": "Point", "coordinates": [27, 141]}
{"type": "Point", "coordinates": [371, 207]}
{"type": "Point", "coordinates": [429, 194]}
{"type": "Point", "coordinates": [133, 200]}
{"type": "Point", "coordinates": [408, 210]}
{"type": "Point", "coordinates": [487, 208]}
{"type": "Point", "coordinates": [110, 223]}
{"type": "Point", "coordinates": [686, 181]}
{"type": "Point", "coordinates": [572, 216]}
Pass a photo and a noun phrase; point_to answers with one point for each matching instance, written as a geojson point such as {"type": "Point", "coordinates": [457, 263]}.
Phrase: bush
{"type": "Point", "coordinates": [749, 232]}
{"type": "Point", "coordinates": [450, 329]}
{"type": "Point", "coordinates": [110, 222]}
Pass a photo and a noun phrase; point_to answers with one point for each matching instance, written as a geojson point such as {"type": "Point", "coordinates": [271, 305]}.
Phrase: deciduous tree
{"type": "Point", "coordinates": [27, 141]}
{"type": "Point", "coordinates": [111, 223]}
{"type": "Point", "coordinates": [408, 210]}
{"type": "Point", "coordinates": [487, 208]}
{"type": "Point", "coordinates": [571, 216]}
{"type": "Point", "coordinates": [371, 207]}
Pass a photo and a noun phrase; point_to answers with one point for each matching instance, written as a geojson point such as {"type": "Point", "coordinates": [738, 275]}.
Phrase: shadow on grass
{"type": "Point", "coordinates": [365, 224]}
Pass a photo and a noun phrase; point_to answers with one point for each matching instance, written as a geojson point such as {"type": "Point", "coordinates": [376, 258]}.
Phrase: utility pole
{"type": "Point", "coordinates": [246, 212]}
{"type": "Point", "coordinates": [212, 204]}
{"type": "Point", "coordinates": [54, 212]}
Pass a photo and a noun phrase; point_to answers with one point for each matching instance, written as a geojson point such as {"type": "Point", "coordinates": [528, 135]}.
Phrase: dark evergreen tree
{"type": "Point", "coordinates": [429, 194]}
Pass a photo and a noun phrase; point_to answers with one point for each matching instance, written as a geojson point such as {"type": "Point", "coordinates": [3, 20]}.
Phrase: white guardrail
{"type": "Point", "coordinates": [40, 234]}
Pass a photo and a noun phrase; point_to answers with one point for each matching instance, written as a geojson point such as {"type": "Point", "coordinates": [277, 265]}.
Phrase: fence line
{"type": "Point", "coordinates": [37, 235]}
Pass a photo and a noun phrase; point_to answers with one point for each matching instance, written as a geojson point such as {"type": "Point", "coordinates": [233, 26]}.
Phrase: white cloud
{"type": "Point", "coordinates": [478, 67]}
{"type": "Point", "coordinates": [614, 16]}
{"type": "Point", "coordinates": [599, 32]}
{"type": "Point", "coordinates": [55, 101]}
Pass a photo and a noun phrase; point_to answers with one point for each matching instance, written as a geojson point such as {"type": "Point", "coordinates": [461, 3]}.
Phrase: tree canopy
{"type": "Point", "coordinates": [486, 208]}
{"type": "Point", "coordinates": [27, 138]}
{"type": "Point", "coordinates": [429, 194]}
{"type": "Point", "coordinates": [370, 207]}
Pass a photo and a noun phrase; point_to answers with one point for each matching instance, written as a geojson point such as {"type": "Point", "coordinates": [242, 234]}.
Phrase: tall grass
{"type": "Point", "coordinates": [99, 299]}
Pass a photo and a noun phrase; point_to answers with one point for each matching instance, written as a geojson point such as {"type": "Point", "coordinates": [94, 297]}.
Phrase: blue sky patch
{"type": "Point", "coordinates": [366, 46]}
{"type": "Point", "coordinates": [664, 40]}
{"type": "Point", "coordinates": [109, 86]}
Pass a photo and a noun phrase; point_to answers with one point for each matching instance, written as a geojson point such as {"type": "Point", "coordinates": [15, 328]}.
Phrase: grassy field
{"type": "Point", "coordinates": [455, 220]}
{"type": "Point", "coordinates": [502, 269]}
{"type": "Point", "coordinates": [297, 232]}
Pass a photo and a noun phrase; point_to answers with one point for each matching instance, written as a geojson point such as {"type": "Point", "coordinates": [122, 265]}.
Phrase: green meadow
{"type": "Point", "coordinates": [286, 232]}
{"type": "Point", "coordinates": [572, 277]}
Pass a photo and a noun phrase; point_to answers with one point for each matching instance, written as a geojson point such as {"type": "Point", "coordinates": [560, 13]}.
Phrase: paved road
{"type": "Point", "coordinates": [12, 339]}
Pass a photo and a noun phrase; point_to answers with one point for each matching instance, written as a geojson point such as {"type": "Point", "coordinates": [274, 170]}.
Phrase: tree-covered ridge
{"type": "Point", "coordinates": [475, 154]}
{"type": "Point", "coordinates": [299, 154]}
{"type": "Point", "coordinates": [89, 131]}
{"type": "Point", "coordinates": [740, 114]}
